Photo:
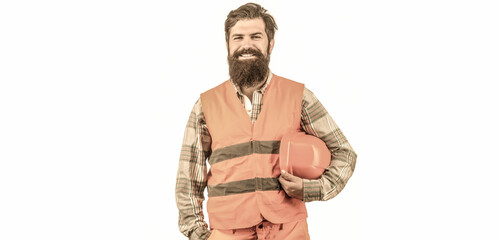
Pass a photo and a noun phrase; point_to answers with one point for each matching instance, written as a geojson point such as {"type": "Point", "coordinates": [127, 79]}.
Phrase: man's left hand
{"type": "Point", "coordinates": [292, 185]}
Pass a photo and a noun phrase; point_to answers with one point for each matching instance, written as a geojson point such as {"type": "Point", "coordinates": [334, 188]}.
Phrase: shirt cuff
{"type": "Point", "coordinates": [311, 190]}
{"type": "Point", "coordinates": [200, 233]}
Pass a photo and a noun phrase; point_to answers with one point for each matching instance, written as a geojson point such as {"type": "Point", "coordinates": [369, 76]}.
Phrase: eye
{"type": "Point", "coordinates": [256, 36]}
{"type": "Point", "coordinates": [237, 38]}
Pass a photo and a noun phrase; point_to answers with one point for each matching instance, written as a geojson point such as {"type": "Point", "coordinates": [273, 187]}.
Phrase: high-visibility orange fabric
{"type": "Point", "coordinates": [297, 230]}
{"type": "Point", "coordinates": [229, 124]}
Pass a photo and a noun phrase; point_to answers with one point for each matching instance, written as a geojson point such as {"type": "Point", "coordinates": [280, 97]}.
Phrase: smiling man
{"type": "Point", "coordinates": [237, 127]}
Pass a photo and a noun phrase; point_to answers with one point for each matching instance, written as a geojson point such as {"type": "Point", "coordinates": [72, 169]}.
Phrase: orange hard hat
{"type": "Point", "coordinates": [303, 155]}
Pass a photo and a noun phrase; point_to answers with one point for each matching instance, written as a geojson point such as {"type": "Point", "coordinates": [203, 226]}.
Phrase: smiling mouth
{"type": "Point", "coordinates": [246, 56]}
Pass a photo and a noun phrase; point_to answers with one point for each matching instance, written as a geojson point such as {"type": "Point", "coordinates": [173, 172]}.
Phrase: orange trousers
{"type": "Point", "coordinates": [297, 230]}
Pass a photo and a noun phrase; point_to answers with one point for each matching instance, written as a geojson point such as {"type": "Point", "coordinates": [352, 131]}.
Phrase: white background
{"type": "Point", "coordinates": [95, 95]}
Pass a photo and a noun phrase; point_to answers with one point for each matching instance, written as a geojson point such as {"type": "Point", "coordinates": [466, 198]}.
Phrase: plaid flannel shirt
{"type": "Point", "coordinates": [196, 148]}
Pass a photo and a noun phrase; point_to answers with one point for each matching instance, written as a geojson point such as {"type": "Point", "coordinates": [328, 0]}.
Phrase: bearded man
{"type": "Point", "coordinates": [237, 126]}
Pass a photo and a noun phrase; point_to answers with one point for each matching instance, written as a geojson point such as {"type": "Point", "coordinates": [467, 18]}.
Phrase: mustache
{"type": "Point", "coordinates": [252, 51]}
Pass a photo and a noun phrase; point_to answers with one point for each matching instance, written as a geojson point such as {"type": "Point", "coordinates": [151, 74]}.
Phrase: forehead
{"type": "Point", "coordinates": [248, 26]}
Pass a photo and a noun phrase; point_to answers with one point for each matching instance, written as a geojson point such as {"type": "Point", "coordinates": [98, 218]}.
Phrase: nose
{"type": "Point", "coordinates": [246, 43]}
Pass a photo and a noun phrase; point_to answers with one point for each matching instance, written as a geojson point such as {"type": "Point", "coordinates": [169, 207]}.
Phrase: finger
{"type": "Point", "coordinates": [284, 182]}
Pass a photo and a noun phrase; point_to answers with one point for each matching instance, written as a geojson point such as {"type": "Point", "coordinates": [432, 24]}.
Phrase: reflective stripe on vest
{"type": "Point", "coordinates": [244, 149]}
{"type": "Point", "coordinates": [244, 186]}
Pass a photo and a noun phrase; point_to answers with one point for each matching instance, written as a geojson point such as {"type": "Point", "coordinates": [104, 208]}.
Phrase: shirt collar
{"type": "Point", "coordinates": [262, 89]}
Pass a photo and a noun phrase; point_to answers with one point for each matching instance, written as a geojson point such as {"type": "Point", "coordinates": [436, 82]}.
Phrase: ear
{"type": "Point", "coordinates": [272, 42]}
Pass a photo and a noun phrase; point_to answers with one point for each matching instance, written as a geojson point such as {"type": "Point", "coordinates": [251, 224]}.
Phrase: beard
{"type": "Point", "coordinates": [249, 72]}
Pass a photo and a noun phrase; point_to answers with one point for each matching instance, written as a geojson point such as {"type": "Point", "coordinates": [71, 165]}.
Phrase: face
{"type": "Point", "coordinates": [248, 52]}
{"type": "Point", "coordinates": [249, 34]}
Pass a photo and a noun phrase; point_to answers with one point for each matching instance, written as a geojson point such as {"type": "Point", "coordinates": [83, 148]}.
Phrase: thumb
{"type": "Point", "coordinates": [287, 176]}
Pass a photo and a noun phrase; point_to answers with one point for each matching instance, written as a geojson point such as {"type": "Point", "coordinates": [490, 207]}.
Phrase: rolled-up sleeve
{"type": "Point", "coordinates": [316, 121]}
{"type": "Point", "coordinates": [192, 176]}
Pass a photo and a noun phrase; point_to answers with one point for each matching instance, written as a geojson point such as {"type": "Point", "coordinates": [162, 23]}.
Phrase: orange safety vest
{"type": "Point", "coordinates": [243, 185]}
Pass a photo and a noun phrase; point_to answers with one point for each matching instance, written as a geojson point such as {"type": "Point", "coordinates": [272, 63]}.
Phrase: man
{"type": "Point", "coordinates": [238, 126]}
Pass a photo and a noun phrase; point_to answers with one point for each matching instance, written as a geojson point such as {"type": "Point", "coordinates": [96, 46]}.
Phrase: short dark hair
{"type": "Point", "coordinates": [251, 11]}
